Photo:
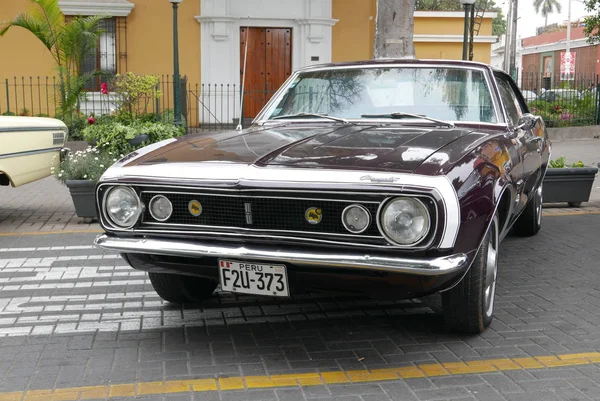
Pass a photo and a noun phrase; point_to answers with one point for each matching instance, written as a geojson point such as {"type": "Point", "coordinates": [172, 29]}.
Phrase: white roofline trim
{"type": "Point", "coordinates": [450, 14]}
{"type": "Point", "coordinates": [548, 47]}
{"type": "Point", "coordinates": [452, 38]}
{"type": "Point", "coordinates": [120, 8]}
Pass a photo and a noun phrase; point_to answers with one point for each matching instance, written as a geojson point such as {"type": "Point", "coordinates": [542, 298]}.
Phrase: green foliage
{"type": "Point", "coordinates": [136, 91]}
{"type": "Point", "coordinates": [67, 43]}
{"type": "Point", "coordinates": [592, 21]}
{"type": "Point", "coordinates": [546, 7]}
{"type": "Point", "coordinates": [566, 112]}
{"type": "Point", "coordinates": [87, 164]}
{"type": "Point", "coordinates": [115, 137]}
{"type": "Point", "coordinates": [498, 24]}
{"type": "Point", "coordinates": [561, 163]}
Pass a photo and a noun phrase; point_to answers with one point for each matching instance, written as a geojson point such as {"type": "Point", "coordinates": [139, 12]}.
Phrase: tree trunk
{"type": "Point", "coordinates": [394, 29]}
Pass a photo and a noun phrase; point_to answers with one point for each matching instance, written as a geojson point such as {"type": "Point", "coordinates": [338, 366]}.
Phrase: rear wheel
{"type": "Point", "coordinates": [530, 221]}
{"type": "Point", "coordinates": [178, 288]}
{"type": "Point", "coordinates": [469, 306]}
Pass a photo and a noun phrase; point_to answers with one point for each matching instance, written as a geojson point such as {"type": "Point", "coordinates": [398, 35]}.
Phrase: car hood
{"type": "Point", "coordinates": [359, 147]}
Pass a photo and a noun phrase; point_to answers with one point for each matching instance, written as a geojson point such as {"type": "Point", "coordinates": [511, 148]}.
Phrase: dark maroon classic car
{"type": "Point", "coordinates": [390, 178]}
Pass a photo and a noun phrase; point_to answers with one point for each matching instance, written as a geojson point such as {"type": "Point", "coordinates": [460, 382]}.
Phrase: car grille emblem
{"type": "Point", "coordinates": [195, 208]}
{"type": "Point", "coordinates": [248, 209]}
{"type": "Point", "coordinates": [313, 215]}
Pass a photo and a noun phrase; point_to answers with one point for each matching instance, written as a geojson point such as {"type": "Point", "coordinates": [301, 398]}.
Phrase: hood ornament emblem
{"type": "Point", "coordinates": [378, 179]}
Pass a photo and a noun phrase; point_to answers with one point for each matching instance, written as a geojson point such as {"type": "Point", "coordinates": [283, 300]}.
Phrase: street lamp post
{"type": "Point", "coordinates": [176, 81]}
{"type": "Point", "coordinates": [467, 4]}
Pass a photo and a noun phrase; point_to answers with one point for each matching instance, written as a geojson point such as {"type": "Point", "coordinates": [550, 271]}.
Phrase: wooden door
{"type": "Point", "coordinates": [269, 64]}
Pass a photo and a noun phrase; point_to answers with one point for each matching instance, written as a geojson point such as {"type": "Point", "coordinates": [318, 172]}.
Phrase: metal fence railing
{"type": "Point", "coordinates": [205, 107]}
{"type": "Point", "coordinates": [562, 102]}
{"type": "Point", "coordinates": [217, 106]}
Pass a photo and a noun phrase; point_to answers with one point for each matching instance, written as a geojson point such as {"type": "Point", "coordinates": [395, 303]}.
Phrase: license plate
{"type": "Point", "coordinates": [253, 278]}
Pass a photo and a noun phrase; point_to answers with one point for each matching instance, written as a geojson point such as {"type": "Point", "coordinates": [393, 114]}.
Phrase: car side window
{"type": "Point", "coordinates": [510, 100]}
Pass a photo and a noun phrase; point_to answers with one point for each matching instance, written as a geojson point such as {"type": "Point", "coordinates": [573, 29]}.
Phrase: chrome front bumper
{"type": "Point", "coordinates": [168, 247]}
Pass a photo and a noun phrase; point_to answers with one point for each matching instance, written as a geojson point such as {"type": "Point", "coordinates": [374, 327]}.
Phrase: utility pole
{"type": "Point", "coordinates": [513, 42]}
{"type": "Point", "coordinates": [507, 36]}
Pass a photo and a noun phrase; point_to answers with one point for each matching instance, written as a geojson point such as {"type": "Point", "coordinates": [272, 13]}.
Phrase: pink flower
{"type": "Point", "coordinates": [104, 88]}
{"type": "Point", "coordinates": [91, 120]}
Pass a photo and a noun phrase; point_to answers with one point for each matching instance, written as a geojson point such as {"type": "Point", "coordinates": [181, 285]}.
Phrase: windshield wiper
{"type": "Point", "coordinates": [323, 115]}
{"type": "Point", "coordinates": [403, 114]}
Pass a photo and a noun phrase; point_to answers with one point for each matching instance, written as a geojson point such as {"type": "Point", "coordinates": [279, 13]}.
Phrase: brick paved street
{"type": "Point", "coordinates": [72, 317]}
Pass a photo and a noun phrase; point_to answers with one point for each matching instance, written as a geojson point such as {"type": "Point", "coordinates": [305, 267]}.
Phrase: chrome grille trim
{"type": "Point", "coordinates": [438, 237]}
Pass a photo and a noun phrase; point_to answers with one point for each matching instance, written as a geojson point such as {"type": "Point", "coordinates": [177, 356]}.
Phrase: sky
{"type": "Point", "coordinates": [528, 19]}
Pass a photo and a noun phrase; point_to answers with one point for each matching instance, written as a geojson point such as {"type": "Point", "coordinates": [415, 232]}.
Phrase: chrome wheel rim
{"type": "Point", "coordinates": [538, 208]}
{"type": "Point", "coordinates": [491, 270]}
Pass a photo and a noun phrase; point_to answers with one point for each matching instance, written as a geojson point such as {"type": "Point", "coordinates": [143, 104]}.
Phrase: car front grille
{"type": "Point", "coordinates": [268, 215]}
{"type": "Point", "coordinates": [260, 213]}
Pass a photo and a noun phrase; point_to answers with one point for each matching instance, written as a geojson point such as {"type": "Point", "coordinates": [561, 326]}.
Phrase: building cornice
{"type": "Point", "coordinates": [449, 14]}
{"type": "Point", "coordinates": [562, 45]}
{"type": "Point", "coordinates": [452, 38]}
{"type": "Point", "coordinates": [114, 8]}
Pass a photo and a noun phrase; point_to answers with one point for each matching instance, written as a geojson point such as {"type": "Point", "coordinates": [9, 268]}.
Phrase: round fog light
{"type": "Point", "coordinates": [356, 218]}
{"type": "Point", "coordinates": [160, 208]}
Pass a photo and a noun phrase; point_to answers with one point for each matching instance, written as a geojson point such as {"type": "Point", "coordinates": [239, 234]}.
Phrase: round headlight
{"type": "Point", "coordinates": [123, 206]}
{"type": "Point", "coordinates": [356, 218]}
{"type": "Point", "coordinates": [404, 221]}
{"type": "Point", "coordinates": [160, 208]}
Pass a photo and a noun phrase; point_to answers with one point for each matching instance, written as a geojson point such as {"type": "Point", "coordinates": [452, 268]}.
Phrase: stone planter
{"type": "Point", "coordinates": [571, 184]}
{"type": "Point", "coordinates": [83, 193]}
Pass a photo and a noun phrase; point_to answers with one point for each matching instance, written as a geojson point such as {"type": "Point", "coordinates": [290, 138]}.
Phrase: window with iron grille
{"type": "Point", "coordinates": [109, 56]}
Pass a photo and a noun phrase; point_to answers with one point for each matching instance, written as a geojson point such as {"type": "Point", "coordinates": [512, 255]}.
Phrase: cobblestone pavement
{"type": "Point", "coordinates": [46, 205]}
{"type": "Point", "coordinates": [77, 323]}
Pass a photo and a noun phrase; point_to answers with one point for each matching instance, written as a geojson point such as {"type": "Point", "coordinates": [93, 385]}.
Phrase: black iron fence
{"type": "Point", "coordinates": [217, 107]}
{"type": "Point", "coordinates": [563, 102]}
{"type": "Point", "coordinates": [204, 107]}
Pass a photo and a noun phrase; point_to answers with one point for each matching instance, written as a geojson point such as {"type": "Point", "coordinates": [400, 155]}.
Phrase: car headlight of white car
{"type": "Point", "coordinates": [122, 206]}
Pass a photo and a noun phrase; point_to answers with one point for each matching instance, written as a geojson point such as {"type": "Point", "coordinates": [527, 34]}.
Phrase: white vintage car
{"type": "Point", "coordinates": [29, 147]}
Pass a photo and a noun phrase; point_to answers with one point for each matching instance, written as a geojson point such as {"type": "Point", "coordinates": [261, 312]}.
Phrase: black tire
{"type": "Point", "coordinates": [469, 305]}
{"type": "Point", "coordinates": [530, 221]}
{"type": "Point", "coordinates": [181, 289]}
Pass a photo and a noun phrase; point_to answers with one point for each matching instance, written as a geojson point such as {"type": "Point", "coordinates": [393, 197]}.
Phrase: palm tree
{"type": "Point", "coordinates": [68, 43]}
{"type": "Point", "coordinates": [394, 29]}
{"type": "Point", "coordinates": [546, 7]}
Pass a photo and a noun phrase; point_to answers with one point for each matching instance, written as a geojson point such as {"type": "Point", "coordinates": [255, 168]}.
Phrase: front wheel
{"type": "Point", "coordinates": [530, 221]}
{"type": "Point", "coordinates": [469, 305]}
{"type": "Point", "coordinates": [181, 289]}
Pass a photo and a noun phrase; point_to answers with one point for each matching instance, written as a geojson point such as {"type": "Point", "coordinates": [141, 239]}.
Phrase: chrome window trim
{"type": "Point", "coordinates": [260, 118]}
{"type": "Point", "coordinates": [368, 215]}
{"type": "Point", "coordinates": [416, 244]}
{"type": "Point", "coordinates": [285, 178]}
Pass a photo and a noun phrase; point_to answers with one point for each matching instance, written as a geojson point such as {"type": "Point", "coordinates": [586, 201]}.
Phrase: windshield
{"type": "Point", "coordinates": [444, 93]}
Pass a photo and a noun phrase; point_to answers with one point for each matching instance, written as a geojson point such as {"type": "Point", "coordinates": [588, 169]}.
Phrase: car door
{"type": "Point", "coordinates": [528, 141]}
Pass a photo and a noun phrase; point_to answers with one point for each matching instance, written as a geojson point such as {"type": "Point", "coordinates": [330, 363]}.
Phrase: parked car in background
{"type": "Point", "coordinates": [529, 96]}
{"type": "Point", "coordinates": [391, 178]}
{"type": "Point", "coordinates": [29, 148]}
{"type": "Point", "coordinates": [552, 95]}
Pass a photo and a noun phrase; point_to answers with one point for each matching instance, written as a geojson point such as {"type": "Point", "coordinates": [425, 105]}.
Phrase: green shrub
{"type": "Point", "coordinates": [114, 136]}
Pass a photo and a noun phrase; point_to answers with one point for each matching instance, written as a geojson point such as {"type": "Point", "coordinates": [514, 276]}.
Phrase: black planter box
{"type": "Point", "coordinates": [571, 184]}
{"type": "Point", "coordinates": [84, 197]}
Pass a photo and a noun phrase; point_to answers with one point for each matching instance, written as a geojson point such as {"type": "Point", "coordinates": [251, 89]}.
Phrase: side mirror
{"type": "Point", "coordinates": [527, 121]}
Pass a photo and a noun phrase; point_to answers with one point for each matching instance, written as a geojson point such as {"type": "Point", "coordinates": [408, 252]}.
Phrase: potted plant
{"type": "Point", "coordinates": [568, 183]}
{"type": "Point", "coordinates": [79, 171]}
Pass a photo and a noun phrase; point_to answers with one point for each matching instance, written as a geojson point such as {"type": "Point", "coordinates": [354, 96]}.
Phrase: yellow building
{"type": "Point", "coordinates": [281, 36]}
